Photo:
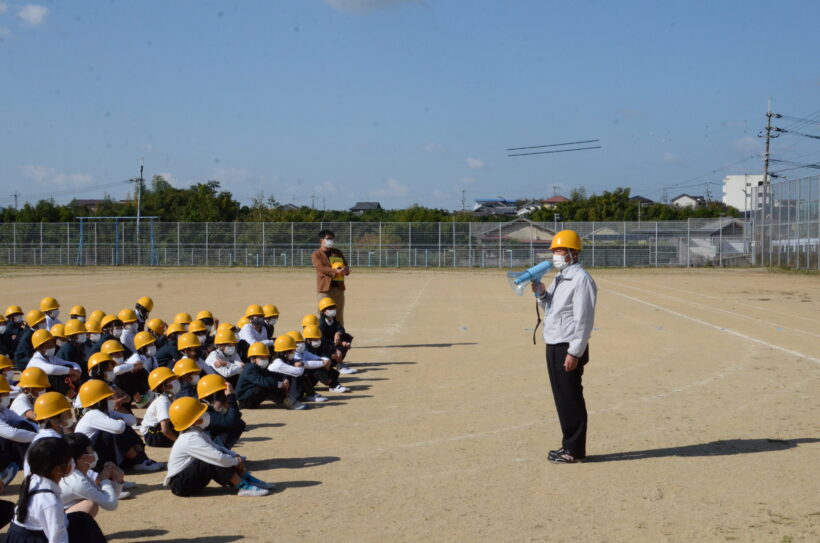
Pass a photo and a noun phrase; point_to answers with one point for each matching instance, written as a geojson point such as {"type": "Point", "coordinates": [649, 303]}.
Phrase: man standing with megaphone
{"type": "Point", "coordinates": [569, 309]}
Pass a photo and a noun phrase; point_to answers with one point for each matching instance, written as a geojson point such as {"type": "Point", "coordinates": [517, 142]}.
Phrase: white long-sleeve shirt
{"type": "Point", "coordinates": [7, 431]}
{"type": "Point", "coordinates": [127, 339]}
{"type": "Point", "coordinates": [192, 444]}
{"type": "Point", "coordinates": [45, 511]}
{"type": "Point", "coordinates": [52, 365]}
{"type": "Point", "coordinates": [234, 366]}
{"type": "Point", "coordinates": [149, 363]}
{"type": "Point", "coordinates": [156, 413]}
{"type": "Point", "coordinates": [95, 421]}
{"type": "Point", "coordinates": [78, 486]}
{"type": "Point", "coordinates": [569, 309]}
{"type": "Point", "coordinates": [310, 360]}
{"type": "Point", "coordinates": [252, 335]}
{"type": "Point", "coordinates": [51, 322]}
{"type": "Point", "coordinates": [280, 366]}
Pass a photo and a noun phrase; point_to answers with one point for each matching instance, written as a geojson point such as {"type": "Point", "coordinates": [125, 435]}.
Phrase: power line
{"type": "Point", "coordinates": [550, 145]}
{"type": "Point", "coordinates": [558, 151]}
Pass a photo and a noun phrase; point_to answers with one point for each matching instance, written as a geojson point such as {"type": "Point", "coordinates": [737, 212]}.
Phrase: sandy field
{"type": "Point", "coordinates": [703, 390]}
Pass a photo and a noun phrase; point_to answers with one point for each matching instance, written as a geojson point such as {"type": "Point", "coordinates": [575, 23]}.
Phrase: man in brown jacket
{"type": "Point", "coordinates": [331, 269]}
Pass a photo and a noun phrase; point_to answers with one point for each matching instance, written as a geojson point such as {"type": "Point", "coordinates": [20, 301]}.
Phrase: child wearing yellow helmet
{"type": "Point", "coordinates": [16, 433]}
{"type": "Point", "coordinates": [224, 360]}
{"type": "Point", "coordinates": [257, 384]}
{"type": "Point", "coordinates": [156, 425]}
{"type": "Point", "coordinates": [226, 419]}
{"type": "Point", "coordinates": [311, 348]}
{"type": "Point", "coordinates": [63, 374]}
{"type": "Point", "coordinates": [336, 342]}
{"type": "Point", "coordinates": [285, 366]}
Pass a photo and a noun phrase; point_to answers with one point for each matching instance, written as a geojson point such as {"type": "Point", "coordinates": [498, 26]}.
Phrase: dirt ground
{"type": "Point", "coordinates": [703, 390]}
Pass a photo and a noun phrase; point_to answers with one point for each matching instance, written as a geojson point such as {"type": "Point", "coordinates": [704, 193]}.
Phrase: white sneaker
{"type": "Point", "coordinates": [316, 398]}
{"type": "Point", "coordinates": [344, 369]}
{"type": "Point", "coordinates": [125, 495]}
{"type": "Point", "coordinates": [340, 389]}
{"type": "Point", "coordinates": [128, 485]}
{"type": "Point", "coordinates": [148, 466]}
{"type": "Point", "coordinates": [246, 489]}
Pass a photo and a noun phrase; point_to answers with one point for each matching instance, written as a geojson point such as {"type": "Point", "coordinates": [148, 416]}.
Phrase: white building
{"type": "Point", "coordinates": [685, 200]}
{"type": "Point", "coordinates": [738, 190]}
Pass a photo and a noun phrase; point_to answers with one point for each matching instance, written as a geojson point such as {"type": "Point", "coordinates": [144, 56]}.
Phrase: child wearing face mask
{"type": "Point", "coordinates": [226, 419]}
{"type": "Point", "coordinates": [74, 349]}
{"type": "Point", "coordinates": [63, 374]}
{"type": "Point", "coordinates": [77, 312]}
{"type": "Point", "coordinates": [196, 460]}
{"type": "Point", "coordinates": [287, 369]}
{"type": "Point", "coordinates": [132, 376]}
{"type": "Point", "coordinates": [168, 353]}
{"type": "Point", "coordinates": [326, 373]}
{"type": "Point", "coordinates": [39, 516]}
{"type": "Point", "coordinates": [7, 371]}
{"type": "Point", "coordinates": [111, 327]}
{"type": "Point", "coordinates": [254, 331]}
{"type": "Point", "coordinates": [256, 383]}
{"type": "Point", "coordinates": [129, 376]}
{"type": "Point", "coordinates": [85, 490]}
{"type": "Point", "coordinates": [143, 309]}
{"type": "Point", "coordinates": [271, 314]}
{"type": "Point", "coordinates": [111, 432]}
{"type": "Point", "coordinates": [336, 342]}
{"type": "Point", "coordinates": [188, 372]}
{"type": "Point", "coordinates": [156, 426]}
{"type": "Point", "coordinates": [33, 382]}
{"type": "Point", "coordinates": [200, 330]}
{"type": "Point", "coordinates": [53, 413]}
{"type": "Point", "coordinates": [130, 327]}
{"type": "Point", "coordinates": [224, 360]}
{"type": "Point", "coordinates": [58, 333]}
{"type": "Point", "coordinates": [209, 321]}
{"type": "Point", "coordinates": [190, 347]}
{"type": "Point", "coordinates": [14, 327]}
{"type": "Point", "coordinates": [35, 320]}
{"type": "Point", "coordinates": [51, 309]}
{"type": "Point", "coordinates": [311, 364]}
{"type": "Point", "coordinates": [7, 344]}
{"type": "Point", "coordinates": [16, 433]}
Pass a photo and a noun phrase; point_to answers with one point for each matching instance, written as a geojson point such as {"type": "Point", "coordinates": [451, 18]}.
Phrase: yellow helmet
{"type": "Point", "coordinates": [74, 327]}
{"type": "Point", "coordinates": [99, 358]}
{"type": "Point", "coordinates": [326, 302]}
{"type": "Point", "coordinates": [297, 336]}
{"type": "Point", "coordinates": [33, 378]}
{"type": "Point", "coordinates": [270, 310]}
{"type": "Point", "coordinates": [185, 366]}
{"type": "Point", "coordinates": [183, 318]}
{"type": "Point", "coordinates": [224, 325]}
{"type": "Point", "coordinates": [35, 317]}
{"type": "Point", "coordinates": [97, 315]}
{"type": "Point", "coordinates": [127, 315]}
{"type": "Point", "coordinates": [147, 303]}
{"type": "Point", "coordinates": [197, 326]}
{"type": "Point", "coordinates": [14, 310]}
{"type": "Point", "coordinates": [157, 326]}
{"type": "Point", "coordinates": [78, 311]}
{"type": "Point", "coordinates": [225, 337]}
{"type": "Point", "coordinates": [5, 387]}
{"type": "Point", "coordinates": [204, 314]}
{"type": "Point", "coordinates": [2, 319]}
{"type": "Point", "coordinates": [253, 310]}
{"type": "Point", "coordinates": [109, 320]}
{"type": "Point", "coordinates": [142, 339]}
{"type": "Point", "coordinates": [112, 346]}
{"type": "Point", "coordinates": [39, 337]}
{"type": "Point", "coordinates": [5, 362]}
{"type": "Point", "coordinates": [159, 375]}
{"type": "Point", "coordinates": [50, 405]}
{"type": "Point", "coordinates": [175, 328]}
{"type": "Point", "coordinates": [188, 340]}
{"type": "Point", "coordinates": [49, 304]}
{"type": "Point", "coordinates": [312, 332]}
{"type": "Point", "coordinates": [58, 331]}
{"type": "Point", "coordinates": [310, 319]}
{"type": "Point", "coordinates": [242, 322]}
{"type": "Point", "coordinates": [258, 349]}
{"type": "Point", "coordinates": [284, 343]}
{"type": "Point", "coordinates": [566, 239]}
{"type": "Point", "coordinates": [94, 391]}
{"type": "Point", "coordinates": [93, 326]}
{"type": "Point", "coordinates": [337, 266]}
{"type": "Point", "coordinates": [210, 384]}
{"type": "Point", "coordinates": [185, 411]}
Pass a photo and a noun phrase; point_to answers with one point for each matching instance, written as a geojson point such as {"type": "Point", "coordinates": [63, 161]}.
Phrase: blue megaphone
{"type": "Point", "coordinates": [518, 280]}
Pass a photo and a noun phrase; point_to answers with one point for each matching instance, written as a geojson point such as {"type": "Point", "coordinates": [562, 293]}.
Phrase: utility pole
{"type": "Point", "coordinates": [664, 196]}
{"type": "Point", "coordinates": [463, 200]}
{"type": "Point", "coordinates": [16, 195]}
{"type": "Point", "coordinates": [708, 193]}
{"type": "Point", "coordinates": [139, 196]}
{"type": "Point", "coordinates": [313, 200]}
{"type": "Point", "coordinates": [768, 138]}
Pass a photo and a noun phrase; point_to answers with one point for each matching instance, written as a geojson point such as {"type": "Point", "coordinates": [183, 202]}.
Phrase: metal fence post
{"type": "Point", "coordinates": [593, 244]}
{"type": "Point", "coordinates": [439, 244]}
{"type": "Point", "coordinates": [380, 244]}
{"type": "Point", "coordinates": [470, 243]}
{"type": "Point", "coordinates": [263, 243]}
{"type": "Point", "coordinates": [291, 245]}
{"type": "Point", "coordinates": [14, 243]}
{"type": "Point", "coordinates": [562, 225]}
{"type": "Point", "coordinates": [409, 243]}
{"type": "Point", "coordinates": [656, 244]}
{"type": "Point", "coordinates": [688, 241]}
{"type": "Point", "coordinates": [206, 244]}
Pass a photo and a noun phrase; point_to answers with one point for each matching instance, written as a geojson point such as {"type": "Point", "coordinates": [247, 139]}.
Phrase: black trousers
{"type": "Point", "coordinates": [568, 393]}
{"type": "Point", "coordinates": [326, 377]}
{"type": "Point", "coordinates": [259, 395]}
{"type": "Point", "coordinates": [133, 382]}
{"type": "Point", "coordinates": [196, 476]}
{"type": "Point", "coordinates": [12, 451]}
{"type": "Point", "coordinates": [113, 447]}
{"type": "Point", "coordinates": [227, 437]}
{"type": "Point", "coordinates": [6, 513]}
{"type": "Point", "coordinates": [82, 528]}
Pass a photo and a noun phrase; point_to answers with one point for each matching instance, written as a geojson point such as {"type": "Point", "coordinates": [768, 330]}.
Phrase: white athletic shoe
{"type": "Point", "coordinates": [128, 485]}
{"type": "Point", "coordinates": [125, 495]}
{"type": "Point", "coordinates": [316, 398]}
{"type": "Point", "coordinates": [344, 369]}
{"type": "Point", "coordinates": [339, 389]}
{"type": "Point", "coordinates": [247, 489]}
{"type": "Point", "coordinates": [148, 466]}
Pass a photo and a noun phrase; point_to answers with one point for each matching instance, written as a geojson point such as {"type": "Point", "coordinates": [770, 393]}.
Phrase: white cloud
{"type": "Point", "coordinates": [475, 163]}
{"type": "Point", "coordinates": [33, 14]}
{"type": "Point", "coordinates": [3, 7]}
{"type": "Point", "coordinates": [392, 188]}
{"type": "Point", "coordinates": [51, 178]}
{"type": "Point", "coordinates": [365, 6]}
{"type": "Point", "coordinates": [671, 158]}
{"type": "Point", "coordinates": [749, 145]}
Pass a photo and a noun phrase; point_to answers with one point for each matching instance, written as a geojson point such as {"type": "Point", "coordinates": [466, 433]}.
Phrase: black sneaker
{"type": "Point", "coordinates": [565, 458]}
{"type": "Point", "coordinates": [558, 452]}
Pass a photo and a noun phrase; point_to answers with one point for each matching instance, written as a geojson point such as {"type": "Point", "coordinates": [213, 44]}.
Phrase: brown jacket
{"type": "Point", "coordinates": [324, 273]}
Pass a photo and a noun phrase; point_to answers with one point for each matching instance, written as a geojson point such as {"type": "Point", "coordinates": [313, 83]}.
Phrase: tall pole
{"type": "Point", "coordinates": [767, 189]}
{"type": "Point", "coordinates": [139, 198]}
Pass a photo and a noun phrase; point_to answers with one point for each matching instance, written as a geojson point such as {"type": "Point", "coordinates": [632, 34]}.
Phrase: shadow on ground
{"type": "Point", "coordinates": [410, 346]}
{"type": "Point", "coordinates": [290, 463]}
{"type": "Point", "coordinates": [258, 425]}
{"type": "Point", "coordinates": [723, 447]}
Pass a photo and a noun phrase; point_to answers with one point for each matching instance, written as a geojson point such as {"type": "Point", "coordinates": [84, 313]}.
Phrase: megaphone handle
{"type": "Point", "coordinates": [537, 323]}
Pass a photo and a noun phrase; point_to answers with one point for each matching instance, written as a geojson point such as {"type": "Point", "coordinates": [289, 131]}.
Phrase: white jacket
{"type": "Point", "coordinates": [569, 309]}
{"type": "Point", "coordinates": [196, 444]}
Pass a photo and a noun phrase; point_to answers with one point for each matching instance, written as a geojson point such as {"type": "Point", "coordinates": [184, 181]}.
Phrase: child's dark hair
{"type": "Point", "coordinates": [325, 232]}
{"type": "Point", "coordinates": [78, 444]}
{"type": "Point", "coordinates": [43, 456]}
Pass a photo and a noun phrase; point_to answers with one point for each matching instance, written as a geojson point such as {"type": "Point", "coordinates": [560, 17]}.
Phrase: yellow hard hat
{"type": "Point", "coordinates": [310, 319]}
{"type": "Point", "coordinates": [50, 404]}
{"type": "Point", "coordinates": [185, 366]}
{"type": "Point", "coordinates": [94, 391]}
{"type": "Point", "coordinates": [39, 337]}
{"type": "Point", "coordinates": [284, 343]}
{"type": "Point", "coordinates": [254, 309]}
{"type": "Point", "coordinates": [197, 326]}
{"type": "Point", "coordinates": [224, 325]}
{"type": "Point", "coordinates": [242, 322]}
{"type": "Point", "coordinates": [2, 319]}
{"type": "Point", "coordinates": [127, 315]}
{"type": "Point", "coordinates": [312, 331]}
{"type": "Point", "coordinates": [175, 328]}
{"type": "Point", "coordinates": [33, 378]}
{"type": "Point", "coordinates": [183, 318]}
{"type": "Point", "coordinates": [205, 314]}
{"type": "Point", "coordinates": [566, 239]}
{"type": "Point", "coordinates": [185, 411]}
{"type": "Point", "coordinates": [77, 310]}
{"type": "Point", "coordinates": [337, 266]}
{"type": "Point", "coordinates": [142, 339]}
{"type": "Point", "coordinates": [74, 327]}
{"type": "Point", "coordinates": [96, 315]}
{"type": "Point", "coordinates": [297, 336]}
{"type": "Point", "coordinates": [93, 326]}
{"type": "Point", "coordinates": [34, 317]}
{"type": "Point", "coordinates": [147, 303]}
{"type": "Point", "coordinates": [99, 358]}
{"type": "Point", "coordinates": [112, 346]}
{"type": "Point", "coordinates": [159, 375]}
{"type": "Point", "coordinates": [49, 304]}
{"type": "Point", "coordinates": [157, 326]}
{"type": "Point", "coordinates": [210, 384]}
{"type": "Point", "coordinates": [225, 337]}
{"type": "Point", "coordinates": [270, 310]}
{"type": "Point", "coordinates": [109, 320]}
{"type": "Point", "coordinates": [14, 310]}
{"type": "Point", "coordinates": [258, 349]}
{"type": "Point", "coordinates": [58, 331]}
{"type": "Point", "coordinates": [5, 387]}
{"type": "Point", "coordinates": [5, 362]}
{"type": "Point", "coordinates": [188, 340]}
{"type": "Point", "coordinates": [326, 302]}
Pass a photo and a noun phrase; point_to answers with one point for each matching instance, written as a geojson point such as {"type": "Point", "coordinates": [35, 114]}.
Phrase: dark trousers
{"type": "Point", "coordinates": [568, 393]}
{"type": "Point", "coordinates": [6, 513]}
{"type": "Point", "coordinates": [133, 382]}
{"type": "Point", "coordinates": [196, 476]}
{"type": "Point", "coordinates": [113, 447]}
{"type": "Point", "coordinates": [82, 528]}
{"type": "Point", "coordinates": [227, 437]}
{"type": "Point", "coordinates": [12, 451]}
{"type": "Point", "coordinates": [326, 377]}
{"type": "Point", "coordinates": [155, 438]}
{"type": "Point", "coordinates": [259, 395]}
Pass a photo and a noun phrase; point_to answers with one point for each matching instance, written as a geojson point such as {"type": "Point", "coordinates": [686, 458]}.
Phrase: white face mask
{"type": "Point", "coordinates": [117, 359]}
{"type": "Point", "coordinates": [71, 467]}
{"type": "Point", "coordinates": [206, 420]}
{"type": "Point", "coordinates": [50, 352]}
{"type": "Point", "coordinates": [330, 313]}
{"type": "Point", "coordinates": [194, 379]}
{"type": "Point", "coordinates": [202, 338]}
{"type": "Point", "coordinates": [94, 338]}
{"type": "Point", "coordinates": [289, 355]}
{"type": "Point", "coordinates": [116, 331]}
{"type": "Point", "coordinates": [300, 347]}
{"type": "Point", "coordinates": [2, 328]}
{"type": "Point", "coordinates": [79, 318]}
{"type": "Point", "coordinates": [8, 374]}
{"type": "Point", "coordinates": [5, 402]}
{"type": "Point", "coordinates": [272, 321]}
{"type": "Point", "coordinates": [328, 243]}
{"type": "Point", "coordinates": [61, 342]}
{"type": "Point", "coordinates": [175, 387]}
{"type": "Point", "coordinates": [80, 338]}
{"type": "Point", "coordinates": [111, 406]}
{"type": "Point", "coordinates": [133, 327]}
{"type": "Point", "coordinates": [151, 350]}
{"type": "Point", "coordinates": [17, 319]}
{"type": "Point", "coordinates": [559, 261]}
{"type": "Point", "coordinates": [109, 375]}
{"type": "Point", "coordinates": [53, 313]}
{"type": "Point", "coordinates": [67, 423]}
{"type": "Point", "coordinates": [315, 343]}
{"type": "Point", "coordinates": [94, 462]}
{"type": "Point", "coordinates": [229, 350]}
{"type": "Point", "coordinates": [262, 363]}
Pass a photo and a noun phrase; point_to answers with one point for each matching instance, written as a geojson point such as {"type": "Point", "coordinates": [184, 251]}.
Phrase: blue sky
{"type": "Point", "coordinates": [400, 101]}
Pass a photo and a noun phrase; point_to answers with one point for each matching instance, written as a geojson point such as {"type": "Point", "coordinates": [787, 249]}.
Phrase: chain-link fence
{"type": "Point", "coordinates": [786, 224]}
{"type": "Point", "coordinates": [723, 241]}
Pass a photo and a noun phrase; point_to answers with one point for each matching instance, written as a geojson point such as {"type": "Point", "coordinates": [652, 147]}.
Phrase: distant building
{"type": "Point", "coordinates": [361, 207]}
{"type": "Point", "coordinates": [641, 200]}
{"type": "Point", "coordinates": [528, 208]}
{"type": "Point", "coordinates": [738, 190]}
{"type": "Point", "coordinates": [288, 207]}
{"type": "Point", "coordinates": [494, 206]}
{"type": "Point", "coordinates": [685, 200]}
{"type": "Point", "coordinates": [90, 206]}
{"type": "Point", "coordinates": [551, 203]}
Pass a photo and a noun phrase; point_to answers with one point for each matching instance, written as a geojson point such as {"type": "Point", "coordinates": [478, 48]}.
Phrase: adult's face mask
{"type": "Point", "coordinates": [328, 243]}
{"type": "Point", "coordinates": [559, 261]}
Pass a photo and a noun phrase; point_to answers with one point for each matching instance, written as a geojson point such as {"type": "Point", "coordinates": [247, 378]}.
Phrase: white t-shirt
{"type": "Point", "coordinates": [21, 405]}
{"type": "Point", "coordinates": [156, 413]}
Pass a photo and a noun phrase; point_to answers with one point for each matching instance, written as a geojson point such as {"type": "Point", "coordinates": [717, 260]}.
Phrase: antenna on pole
{"type": "Point", "coordinates": [139, 195]}
{"type": "Point", "coordinates": [463, 200]}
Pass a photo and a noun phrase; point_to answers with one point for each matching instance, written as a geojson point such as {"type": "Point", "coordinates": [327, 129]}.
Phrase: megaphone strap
{"type": "Point", "coordinates": [537, 322]}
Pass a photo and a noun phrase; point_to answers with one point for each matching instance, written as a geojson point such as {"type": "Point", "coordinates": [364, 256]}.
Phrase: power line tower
{"type": "Point", "coordinates": [463, 200]}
